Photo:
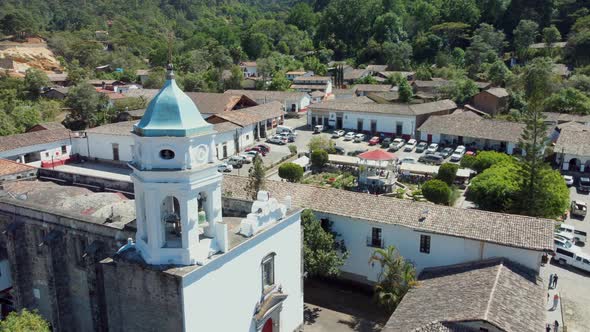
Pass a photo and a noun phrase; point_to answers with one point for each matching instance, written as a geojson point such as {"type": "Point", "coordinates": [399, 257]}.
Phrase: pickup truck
{"type": "Point", "coordinates": [573, 258]}
{"type": "Point", "coordinates": [578, 209]}
{"type": "Point", "coordinates": [579, 236]}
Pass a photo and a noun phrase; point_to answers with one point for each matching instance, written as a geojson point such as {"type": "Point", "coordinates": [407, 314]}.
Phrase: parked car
{"type": "Point", "coordinates": [257, 149]}
{"type": "Point", "coordinates": [574, 258]}
{"type": "Point", "coordinates": [357, 152]}
{"type": "Point", "coordinates": [578, 209]}
{"type": "Point", "coordinates": [435, 159]}
{"type": "Point", "coordinates": [569, 180]}
{"type": "Point", "coordinates": [359, 138]}
{"type": "Point", "coordinates": [410, 145]}
{"type": "Point", "coordinates": [252, 153]}
{"type": "Point", "coordinates": [318, 129]}
{"type": "Point", "coordinates": [562, 242]}
{"type": "Point", "coordinates": [459, 153]}
{"type": "Point", "coordinates": [446, 152]}
{"type": "Point", "coordinates": [241, 158]}
{"type": "Point", "coordinates": [235, 162]}
{"type": "Point", "coordinates": [571, 231]}
{"type": "Point", "coordinates": [339, 150]}
{"type": "Point", "coordinates": [584, 184]}
{"type": "Point", "coordinates": [349, 136]}
{"type": "Point", "coordinates": [277, 139]}
{"type": "Point", "coordinates": [421, 147]}
{"type": "Point", "coordinates": [408, 160]}
{"type": "Point", "coordinates": [374, 140]}
{"type": "Point", "coordinates": [224, 167]}
{"type": "Point", "coordinates": [385, 142]}
{"type": "Point", "coordinates": [288, 137]}
{"type": "Point", "coordinates": [432, 148]}
{"type": "Point", "coordinates": [247, 158]}
{"type": "Point", "coordinates": [397, 144]}
{"type": "Point", "coordinates": [282, 129]}
{"type": "Point", "coordinates": [264, 147]}
{"type": "Point", "coordinates": [338, 133]}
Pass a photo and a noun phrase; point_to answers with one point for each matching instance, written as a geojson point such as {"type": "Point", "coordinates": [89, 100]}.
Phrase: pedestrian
{"type": "Point", "coordinates": [555, 301]}
{"type": "Point", "coordinates": [547, 297]}
{"type": "Point", "coordinates": [548, 328]}
{"type": "Point", "coordinates": [550, 280]}
{"type": "Point", "coordinates": [556, 326]}
{"type": "Point", "coordinates": [555, 280]}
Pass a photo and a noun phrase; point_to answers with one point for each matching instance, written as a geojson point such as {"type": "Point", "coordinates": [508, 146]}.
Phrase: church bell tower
{"type": "Point", "coordinates": [177, 186]}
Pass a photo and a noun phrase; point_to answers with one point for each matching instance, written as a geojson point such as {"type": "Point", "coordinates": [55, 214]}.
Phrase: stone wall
{"type": "Point", "coordinates": [130, 285]}
{"type": "Point", "coordinates": [97, 183]}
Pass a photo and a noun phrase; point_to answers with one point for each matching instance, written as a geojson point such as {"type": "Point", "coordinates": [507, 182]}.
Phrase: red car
{"type": "Point", "coordinates": [258, 149]}
{"type": "Point", "coordinates": [374, 140]}
{"type": "Point", "coordinates": [264, 147]}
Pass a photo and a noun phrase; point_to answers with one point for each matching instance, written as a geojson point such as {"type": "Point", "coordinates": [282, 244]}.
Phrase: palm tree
{"type": "Point", "coordinates": [397, 276]}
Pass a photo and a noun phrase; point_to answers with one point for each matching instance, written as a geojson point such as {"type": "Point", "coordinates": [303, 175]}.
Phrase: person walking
{"type": "Point", "coordinates": [548, 328]}
{"type": "Point", "coordinates": [556, 326]}
{"type": "Point", "coordinates": [555, 280]}
{"type": "Point", "coordinates": [555, 301]}
{"type": "Point", "coordinates": [550, 280]}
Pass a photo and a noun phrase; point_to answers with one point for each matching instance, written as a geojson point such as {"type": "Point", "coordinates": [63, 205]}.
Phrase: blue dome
{"type": "Point", "coordinates": [171, 113]}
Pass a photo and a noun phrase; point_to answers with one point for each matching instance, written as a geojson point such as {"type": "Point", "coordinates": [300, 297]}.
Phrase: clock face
{"type": "Point", "coordinates": [200, 154]}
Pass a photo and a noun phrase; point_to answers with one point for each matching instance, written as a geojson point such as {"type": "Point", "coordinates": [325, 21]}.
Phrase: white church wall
{"type": "Point", "coordinates": [101, 146]}
{"type": "Point", "coordinates": [232, 283]}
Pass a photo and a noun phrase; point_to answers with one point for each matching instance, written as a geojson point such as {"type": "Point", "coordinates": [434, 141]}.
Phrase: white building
{"type": "Point", "coordinates": [245, 269]}
{"type": "Point", "coordinates": [291, 75]}
{"type": "Point", "coordinates": [312, 83]}
{"type": "Point", "coordinates": [364, 115]}
{"type": "Point", "coordinates": [426, 234]}
{"type": "Point", "coordinates": [572, 149]}
{"type": "Point", "coordinates": [291, 101]}
{"type": "Point", "coordinates": [43, 148]}
{"type": "Point", "coordinates": [249, 68]}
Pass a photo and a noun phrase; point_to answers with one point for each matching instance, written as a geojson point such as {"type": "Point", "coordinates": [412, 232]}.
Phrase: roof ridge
{"type": "Point", "coordinates": [490, 299]}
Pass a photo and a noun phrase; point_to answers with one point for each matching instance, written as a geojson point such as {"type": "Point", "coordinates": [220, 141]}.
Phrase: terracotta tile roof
{"type": "Point", "coordinates": [12, 142]}
{"type": "Point", "coordinates": [319, 86]}
{"type": "Point", "coordinates": [9, 167]}
{"type": "Point", "coordinates": [504, 229]}
{"type": "Point", "coordinates": [544, 45]}
{"type": "Point", "coordinates": [58, 77]}
{"type": "Point", "coordinates": [146, 94]}
{"type": "Point", "coordinates": [118, 129]}
{"type": "Point", "coordinates": [317, 94]}
{"type": "Point", "coordinates": [431, 84]}
{"type": "Point", "coordinates": [250, 115]}
{"type": "Point", "coordinates": [494, 291]}
{"type": "Point", "coordinates": [48, 126]}
{"type": "Point", "coordinates": [398, 109]}
{"type": "Point", "coordinates": [468, 124]}
{"type": "Point", "coordinates": [224, 127]}
{"type": "Point", "coordinates": [574, 140]}
{"type": "Point", "coordinates": [565, 117]}
{"type": "Point", "coordinates": [377, 68]}
{"type": "Point", "coordinates": [373, 87]}
{"type": "Point", "coordinates": [356, 74]}
{"type": "Point", "coordinates": [261, 96]}
{"type": "Point", "coordinates": [498, 92]}
{"type": "Point", "coordinates": [214, 103]}
{"type": "Point", "coordinates": [304, 79]}
{"type": "Point", "coordinates": [386, 74]}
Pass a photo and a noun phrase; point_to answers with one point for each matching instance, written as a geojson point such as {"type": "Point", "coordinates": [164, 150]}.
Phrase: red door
{"type": "Point", "coordinates": [429, 138]}
{"type": "Point", "coordinates": [267, 326]}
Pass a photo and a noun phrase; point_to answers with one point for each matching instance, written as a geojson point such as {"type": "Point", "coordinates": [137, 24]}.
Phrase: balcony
{"type": "Point", "coordinates": [374, 242]}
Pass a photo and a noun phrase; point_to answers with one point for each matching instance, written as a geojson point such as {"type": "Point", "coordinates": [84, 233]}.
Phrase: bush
{"type": "Point", "coordinates": [496, 188]}
{"type": "Point", "coordinates": [436, 191]}
{"type": "Point", "coordinates": [467, 161]}
{"type": "Point", "coordinates": [292, 148]}
{"type": "Point", "coordinates": [291, 172]}
{"type": "Point", "coordinates": [487, 159]}
{"type": "Point", "coordinates": [25, 321]}
{"type": "Point", "coordinates": [319, 158]}
{"type": "Point", "coordinates": [447, 173]}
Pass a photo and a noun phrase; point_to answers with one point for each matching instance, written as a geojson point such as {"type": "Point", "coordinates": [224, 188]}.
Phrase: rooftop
{"type": "Point", "coordinates": [9, 167]}
{"type": "Point", "coordinates": [505, 229]}
{"type": "Point", "coordinates": [303, 79]}
{"type": "Point", "coordinates": [469, 124]}
{"type": "Point", "coordinates": [118, 129]}
{"type": "Point", "coordinates": [398, 109]}
{"type": "Point", "coordinates": [494, 291]}
{"type": "Point", "coordinates": [214, 103]}
{"type": "Point", "coordinates": [250, 115]}
{"type": "Point", "coordinates": [574, 140]}
{"type": "Point", "coordinates": [261, 95]}
{"type": "Point", "coordinates": [498, 92]}
{"type": "Point", "coordinates": [565, 117]}
{"type": "Point", "coordinates": [355, 74]}
{"type": "Point", "coordinates": [373, 87]}
{"type": "Point", "coordinates": [12, 142]}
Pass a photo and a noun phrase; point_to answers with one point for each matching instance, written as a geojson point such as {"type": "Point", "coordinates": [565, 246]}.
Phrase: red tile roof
{"type": "Point", "coordinates": [33, 138]}
{"type": "Point", "coordinates": [9, 167]}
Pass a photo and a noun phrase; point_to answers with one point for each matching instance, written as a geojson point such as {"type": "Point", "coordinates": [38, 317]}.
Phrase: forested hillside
{"type": "Point", "coordinates": [455, 39]}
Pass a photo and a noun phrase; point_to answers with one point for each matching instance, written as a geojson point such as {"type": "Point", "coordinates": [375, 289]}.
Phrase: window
{"type": "Point", "coordinates": [376, 239]}
{"type": "Point", "coordinates": [64, 149]}
{"type": "Point", "coordinates": [268, 271]}
{"type": "Point", "coordinates": [425, 244]}
{"type": "Point", "coordinates": [167, 154]}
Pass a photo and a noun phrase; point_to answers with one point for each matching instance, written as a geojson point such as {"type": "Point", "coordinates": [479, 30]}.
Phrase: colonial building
{"type": "Point", "coordinates": [291, 101]}
{"type": "Point", "coordinates": [572, 149]}
{"type": "Point", "coordinates": [42, 148]}
{"type": "Point", "coordinates": [312, 83]}
{"type": "Point", "coordinates": [492, 101]}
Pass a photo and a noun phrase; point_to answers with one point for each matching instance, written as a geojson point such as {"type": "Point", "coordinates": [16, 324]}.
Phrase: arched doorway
{"type": "Point", "coordinates": [267, 326]}
{"type": "Point", "coordinates": [574, 165]}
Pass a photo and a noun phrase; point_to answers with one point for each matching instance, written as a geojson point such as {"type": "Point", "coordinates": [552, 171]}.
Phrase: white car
{"type": "Point", "coordinates": [224, 167]}
{"type": "Point", "coordinates": [459, 153]}
{"type": "Point", "coordinates": [278, 139]}
{"type": "Point", "coordinates": [569, 180]}
{"type": "Point", "coordinates": [408, 160]}
{"type": "Point", "coordinates": [410, 145]}
{"type": "Point", "coordinates": [247, 158]}
{"type": "Point", "coordinates": [432, 148]}
{"type": "Point", "coordinates": [252, 154]}
{"type": "Point", "coordinates": [561, 242]}
{"type": "Point", "coordinates": [349, 136]}
{"type": "Point", "coordinates": [359, 138]}
{"type": "Point", "coordinates": [397, 144]}
{"type": "Point", "coordinates": [338, 133]}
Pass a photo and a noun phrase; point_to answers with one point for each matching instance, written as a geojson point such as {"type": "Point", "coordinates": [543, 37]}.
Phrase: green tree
{"type": "Point", "coordinates": [436, 191]}
{"type": "Point", "coordinates": [423, 73]}
{"type": "Point", "coordinates": [302, 16]}
{"type": "Point", "coordinates": [465, 11]}
{"type": "Point", "coordinates": [312, 63]}
{"type": "Point", "coordinates": [320, 143]}
{"type": "Point", "coordinates": [525, 34]}
{"type": "Point", "coordinates": [279, 82]}
{"type": "Point", "coordinates": [256, 177]}
{"type": "Point", "coordinates": [467, 161]}
{"type": "Point", "coordinates": [405, 91]}
{"type": "Point", "coordinates": [398, 56]}
{"type": "Point", "coordinates": [319, 158]}
{"type": "Point", "coordinates": [35, 81]}
{"type": "Point", "coordinates": [397, 276]}
{"type": "Point", "coordinates": [551, 35]}
{"type": "Point", "coordinates": [291, 172]}
{"type": "Point", "coordinates": [554, 196]}
{"type": "Point", "coordinates": [460, 90]}
{"type": "Point", "coordinates": [496, 188]}
{"type": "Point", "coordinates": [568, 100]}
{"type": "Point", "coordinates": [498, 73]}
{"type": "Point", "coordinates": [235, 79]}
{"type": "Point", "coordinates": [487, 159]}
{"type": "Point", "coordinates": [25, 321]}
{"type": "Point", "coordinates": [155, 79]}
{"type": "Point", "coordinates": [447, 173]}
{"type": "Point", "coordinates": [85, 105]}
{"type": "Point", "coordinates": [322, 254]}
